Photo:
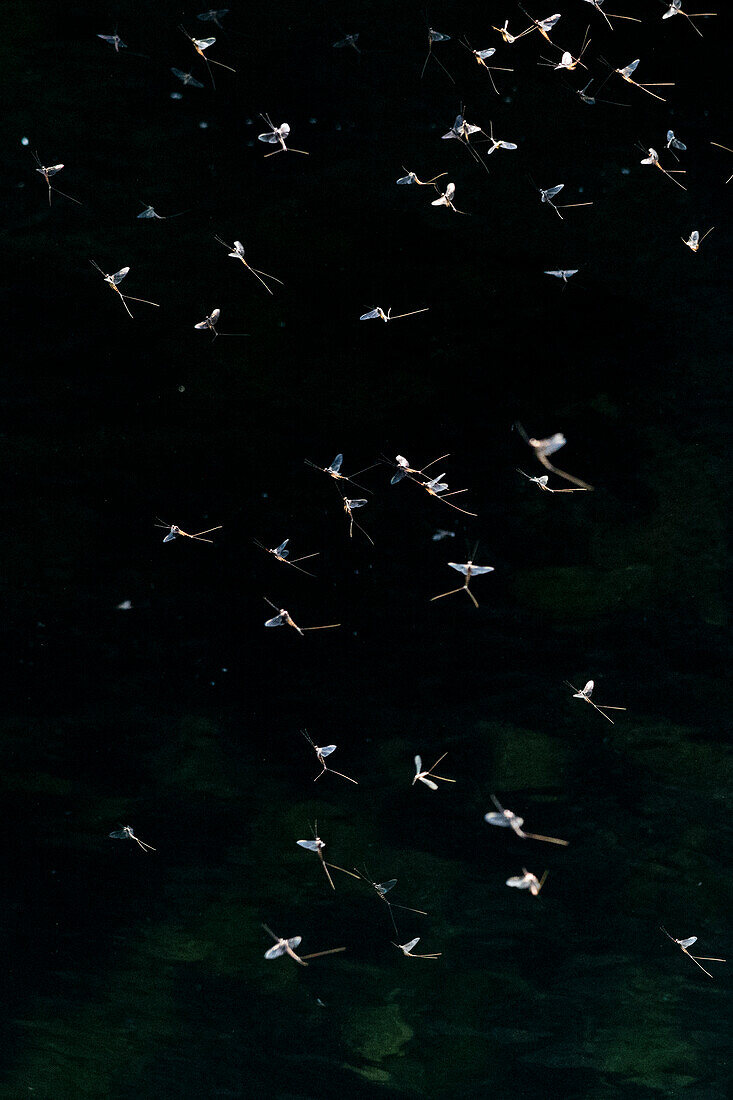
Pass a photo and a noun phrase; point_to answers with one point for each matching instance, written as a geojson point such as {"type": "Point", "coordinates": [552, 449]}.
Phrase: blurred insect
{"type": "Point", "coordinates": [210, 322]}
{"type": "Point", "coordinates": [510, 38]}
{"type": "Point", "coordinates": [174, 532]}
{"type": "Point", "coordinates": [564, 275]}
{"type": "Point", "coordinates": [567, 61]}
{"type": "Point", "coordinates": [48, 173]}
{"type": "Point", "coordinates": [481, 56]}
{"type": "Point", "coordinates": [403, 468]}
{"type": "Point", "coordinates": [684, 944]}
{"type": "Point", "coordinates": [114, 40]}
{"type": "Point", "coordinates": [446, 199]}
{"type": "Point", "coordinates": [317, 845]}
{"type": "Point", "coordinates": [591, 100]}
{"type": "Point", "coordinates": [287, 947]}
{"type": "Point", "coordinates": [213, 16]}
{"type": "Point", "coordinates": [544, 26]}
{"type": "Point", "coordinates": [126, 833]}
{"type": "Point", "coordinates": [427, 776]}
{"type": "Point", "coordinates": [436, 36]}
{"type": "Point", "coordinates": [378, 313]}
{"type": "Point", "coordinates": [349, 40]}
{"type": "Point", "coordinates": [585, 694]}
{"type": "Point", "coordinates": [527, 881]}
{"type": "Point", "coordinates": [608, 16]}
{"type": "Point", "coordinates": [236, 252]}
{"type": "Point", "coordinates": [187, 78]}
{"type": "Point", "coordinates": [469, 570]}
{"type": "Point", "coordinates": [281, 552]}
{"type": "Point", "coordinates": [549, 194]}
{"type": "Point", "coordinates": [406, 949]}
{"type": "Point", "coordinates": [462, 130]}
{"type": "Point", "coordinates": [626, 72]}
{"type": "Point", "coordinates": [322, 751]}
{"type": "Point", "coordinates": [276, 136]}
{"type": "Point", "coordinates": [695, 240]}
{"type": "Point", "coordinates": [496, 144]}
{"type": "Point", "coordinates": [436, 487]}
{"type": "Point", "coordinates": [412, 178]}
{"type": "Point", "coordinates": [542, 483]}
{"type": "Point", "coordinates": [653, 158]}
{"type": "Point", "coordinates": [201, 44]}
{"type": "Point", "coordinates": [115, 280]}
{"type": "Point", "coordinates": [381, 889]}
{"type": "Point", "coordinates": [673, 142]}
{"type": "Point", "coordinates": [508, 820]}
{"type": "Point", "coordinates": [675, 8]}
{"type": "Point", "coordinates": [151, 213]}
{"type": "Point", "coordinates": [544, 447]}
{"type": "Point", "coordinates": [334, 470]}
{"type": "Point", "coordinates": [441, 534]}
{"type": "Point", "coordinates": [283, 619]}
{"type": "Point", "coordinates": [727, 149]}
{"type": "Point", "coordinates": [349, 505]}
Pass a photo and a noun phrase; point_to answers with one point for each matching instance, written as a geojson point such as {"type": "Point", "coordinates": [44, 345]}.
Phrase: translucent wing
{"type": "Point", "coordinates": [670, 135]}
{"type": "Point", "coordinates": [336, 464]}
{"type": "Point", "coordinates": [450, 191]}
{"type": "Point", "coordinates": [418, 765]}
{"type": "Point", "coordinates": [50, 171]}
{"type": "Point", "coordinates": [552, 191]}
{"type": "Point", "coordinates": [120, 834]}
{"type": "Point", "coordinates": [201, 324]}
{"type": "Point", "coordinates": [311, 845]}
{"type": "Point", "coordinates": [355, 503]}
{"type": "Point", "coordinates": [171, 535]}
{"type": "Point", "coordinates": [477, 570]}
{"type": "Point", "coordinates": [383, 887]}
{"type": "Point", "coordinates": [215, 315]}
{"type": "Point", "coordinates": [541, 480]}
{"type": "Point", "coordinates": [520, 881]}
{"type": "Point", "coordinates": [565, 60]}
{"type": "Point", "coordinates": [694, 237]}
{"type": "Point", "coordinates": [460, 568]}
{"type": "Point", "coordinates": [436, 36]}
{"type": "Point", "coordinates": [148, 212]}
{"type": "Point", "coordinates": [204, 43]}
{"type": "Point", "coordinates": [558, 274]}
{"type": "Point", "coordinates": [373, 312]}
{"type": "Point", "coordinates": [629, 69]}
{"type": "Point", "coordinates": [588, 689]}
{"type": "Point", "coordinates": [406, 179]}
{"type": "Point", "coordinates": [469, 128]}
{"type": "Point", "coordinates": [271, 138]}
{"type": "Point", "coordinates": [409, 946]}
{"type": "Point", "coordinates": [119, 275]}
{"type": "Point", "coordinates": [429, 783]}
{"type": "Point", "coordinates": [439, 202]}
{"type": "Point", "coordinates": [495, 818]}
{"type": "Point", "coordinates": [485, 53]}
{"type": "Point", "coordinates": [402, 461]}
{"type": "Point", "coordinates": [677, 144]}
{"type": "Point", "coordinates": [276, 951]}
{"type": "Point", "coordinates": [549, 23]}
{"type": "Point", "coordinates": [688, 942]}
{"type": "Point", "coordinates": [284, 130]}
{"type": "Point", "coordinates": [506, 145]}
{"type": "Point", "coordinates": [276, 620]}
{"type": "Point", "coordinates": [397, 476]}
{"type": "Point", "coordinates": [549, 446]}
{"type": "Point", "coordinates": [437, 485]}
{"type": "Point", "coordinates": [326, 750]}
{"type": "Point", "coordinates": [281, 551]}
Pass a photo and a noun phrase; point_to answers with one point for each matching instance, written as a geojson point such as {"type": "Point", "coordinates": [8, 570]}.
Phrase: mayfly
{"type": "Point", "coordinates": [481, 56]}
{"type": "Point", "coordinates": [591, 100]}
{"type": "Point", "coordinates": [508, 820]}
{"type": "Point", "coordinates": [542, 483]}
{"type": "Point", "coordinates": [674, 143]}
{"type": "Point", "coordinates": [675, 8]}
{"type": "Point", "coordinates": [547, 195]}
{"type": "Point", "coordinates": [406, 949]}
{"type": "Point", "coordinates": [317, 845]}
{"type": "Point", "coordinates": [114, 40]}
{"type": "Point", "coordinates": [446, 199]}
{"type": "Point", "coordinates": [213, 16]}
{"type": "Point", "coordinates": [211, 322]}
{"type": "Point", "coordinates": [126, 833]}
{"type": "Point", "coordinates": [462, 130]}
{"type": "Point", "coordinates": [334, 470]}
{"type": "Point", "coordinates": [201, 44]}
{"type": "Point", "coordinates": [382, 889]}
{"type": "Point", "coordinates": [695, 240]}
{"type": "Point", "coordinates": [115, 280]}
{"type": "Point", "coordinates": [653, 158]}
{"type": "Point", "coordinates": [510, 38]}
{"type": "Point", "coordinates": [567, 61]}
{"type": "Point", "coordinates": [428, 775]}
{"type": "Point", "coordinates": [436, 488]}
{"type": "Point", "coordinates": [174, 532]}
{"type": "Point", "coordinates": [684, 944]}
{"type": "Point", "coordinates": [586, 693]}
{"type": "Point", "coordinates": [48, 173]}
{"type": "Point", "coordinates": [496, 144]}
{"type": "Point", "coordinates": [236, 252]}
{"type": "Point", "coordinates": [608, 16]}
{"type": "Point", "coordinates": [349, 506]}
{"type": "Point", "coordinates": [469, 570]}
{"type": "Point", "coordinates": [283, 619]}
{"type": "Point", "coordinates": [436, 36]}
{"type": "Point", "coordinates": [403, 469]}
{"type": "Point", "coordinates": [378, 314]}
{"type": "Point", "coordinates": [544, 26]}
{"type": "Point", "coordinates": [281, 552]}
{"type": "Point", "coordinates": [349, 40]}
{"type": "Point", "coordinates": [276, 135]}
{"type": "Point", "coordinates": [564, 274]}
{"type": "Point", "coordinates": [322, 751]}
{"type": "Point", "coordinates": [287, 947]}
{"type": "Point", "coordinates": [626, 72]}
{"type": "Point", "coordinates": [412, 178]}
{"type": "Point", "coordinates": [544, 447]}
{"type": "Point", "coordinates": [527, 881]}
{"type": "Point", "coordinates": [187, 78]}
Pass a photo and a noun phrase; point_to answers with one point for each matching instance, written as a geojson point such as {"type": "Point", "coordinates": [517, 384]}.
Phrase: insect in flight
{"type": "Point", "coordinates": [378, 313]}
{"type": "Point", "coordinates": [382, 889]}
{"type": "Point", "coordinates": [317, 845]}
{"type": "Point", "coordinates": [544, 26]}
{"type": "Point", "coordinates": [436, 36]}
{"type": "Point", "coordinates": [435, 487]}
{"type": "Point", "coordinates": [202, 44]}
{"type": "Point", "coordinates": [322, 751]}
{"type": "Point", "coordinates": [481, 56]}
{"type": "Point", "coordinates": [564, 274]}
{"type": "Point", "coordinates": [126, 833]}
{"type": "Point", "coordinates": [567, 61]}
{"type": "Point", "coordinates": [653, 158]}
{"type": "Point", "coordinates": [542, 483]}
{"type": "Point", "coordinates": [462, 130]}
{"type": "Point", "coordinates": [276, 135]}
{"type": "Point", "coordinates": [695, 240]}
{"type": "Point", "coordinates": [544, 447]}
{"type": "Point", "coordinates": [114, 40]}
{"type": "Point", "coordinates": [446, 199]}
{"type": "Point", "coordinates": [591, 100]}
{"type": "Point", "coordinates": [283, 619]}
{"type": "Point", "coordinates": [213, 15]}
{"type": "Point", "coordinates": [527, 881]}
{"type": "Point", "coordinates": [684, 944]}
{"type": "Point", "coordinates": [281, 552]}
{"type": "Point", "coordinates": [469, 570]}
{"type": "Point", "coordinates": [287, 947]}
{"type": "Point", "coordinates": [506, 819]}
{"type": "Point", "coordinates": [187, 78]}
{"type": "Point", "coordinates": [673, 142]}
{"type": "Point", "coordinates": [48, 173]}
{"type": "Point", "coordinates": [403, 469]}
{"type": "Point", "coordinates": [586, 695]}
{"type": "Point", "coordinates": [428, 775]}
{"type": "Point", "coordinates": [334, 470]}
{"type": "Point", "coordinates": [608, 16]}
{"type": "Point", "coordinates": [495, 144]}
{"type": "Point", "coordinates": [115, 280]}
{"type": "Point", "coordinates": [510, 38]}
{"type": "Point", "coordinates": [349, 40]}
{"type": "Point", "coordinates": [349, 505]}
{"type": "Point", "coordinates": [549, 194]}
{"type": "Point", "coordinates": [211, 322]}
{"type": "Point", "coordinates": [174, 531]}
{"type": "Point", "coordinates": [675, 8]}
{"type": "Point", "coordinates": [236, 252]}
{"type": "Point", "coordinates": [626, 72]}
{"type": "Point", "coordinates": [406, 949]}
{"type": "Point", "coordinates": [412, 178]}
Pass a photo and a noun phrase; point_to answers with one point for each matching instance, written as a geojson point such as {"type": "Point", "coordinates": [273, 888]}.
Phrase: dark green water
{"type": "Point", "coordinates": [133, 975]}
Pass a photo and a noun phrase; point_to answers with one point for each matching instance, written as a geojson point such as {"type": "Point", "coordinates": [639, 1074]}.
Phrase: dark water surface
{"type": "Point", "coordinates": [133, 975]}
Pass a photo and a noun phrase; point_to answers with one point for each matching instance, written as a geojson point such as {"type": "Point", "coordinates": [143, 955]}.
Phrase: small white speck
{"type": "Point", "coordinates": [24, 141]}
{"type": "Point", "coordinates": [176, 95]}
{"type": "Point", "coordinates": [625, 171]}
{"type": "Point", "coordinates": [313, 121]}
{"type": "Point", "coordinates": [181, 389]}
{"type": "Point", "coordinates": [203, 125]}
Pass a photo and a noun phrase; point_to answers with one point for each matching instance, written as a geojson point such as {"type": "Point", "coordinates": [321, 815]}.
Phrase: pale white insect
{"type": "Point", "coordinates": [527, 881]}
{"type": "Point", "coordinates": [287, 947]}
{"type": "Point", "coordinates": [673, 142]}
{"type": "Point", "coordinates": [334, 470]}
{"type": "Point", "coordinates": [564, 274]}
{"type": "Point", "coordinates": [653, 158]}
{"type": "Point", "coordinates": [186, 78]}
{"type": "Point", "coordinates": [548, 194]}
{"type": "Point", "coordinates": [201, 44]}
{"type": "Point", "coordinates": [510, 38]}
{"type": "Point", "coordinates": [506, 819]}
{"type": "Point", "coordinates": [382, 889]}
{"type": "Point", "coordinates": [542, 483]}
{"type": "Point", "coordinates": [281, 553]}
{"type": "Point", "coordinates": [446, 199]}
{"type": "Point", "coordinates": [608, 16]}
{"type": "Point", "coordinates": [496, 144]}
{"type": "Point", "coordinates": [428, 775]}
{"type": "Point", "coordinates": [174, 531]}
{"type": "Point", "coordinates": [349, 40]}
{"type": "Point", "coordinates": [406, 949]}
{"type": "Point", "coordinates": [276, 135]}
{"type": "Point", "coordinates": [436, 36]}
{"type": "Point", "coordinates": [480, 56]}
{"type": "Point", "coordinates": [695, 240]}
{"type": "Point", "coordinates": [378, 313]}
{"type": "Point", "coordinates": [675, 8]}
{"type": "Point", "coordinates": [283, 619]}
{"type": "Point", "coordinates": [412, 178]}
{"type": "Point", "coordinates": [404, 469]}
{"type": "Point", "coordinates": [349, 505]}
{"type": "Point", "coordinates": [469, 570]}
{"type": "Point", "coordinates": [114, 280]}
{"type": "Point", "coordinates": [317, 845]}
{"type": "Point", "coordinates": [48, 172]}
{"type": "Point", "coordinates": [236, 252]}
{"type": "Point", "coordinates": [684, 944]}
{"type": "Point", "coordinates": [544, 447]}
{"type": "Point", "coordinates": [114, 40]}
{"type": "Point", "coordinates": [586, 693]}
{"type": "Point", "coordinates": [626, 72]}
{"type": "Point", "coordinates": [322, 751]}
{"type": "Point", "coordinates": [213, 15]}
{"type": "Point", "coordinates": [126, 833]}
{"type": "Point", "coordinates": [544, 26]}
